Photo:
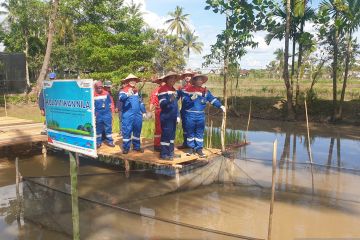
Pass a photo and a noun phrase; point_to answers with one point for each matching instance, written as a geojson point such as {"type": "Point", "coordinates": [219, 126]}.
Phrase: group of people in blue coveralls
{"type": "Point", "coordinates": [193, 96]}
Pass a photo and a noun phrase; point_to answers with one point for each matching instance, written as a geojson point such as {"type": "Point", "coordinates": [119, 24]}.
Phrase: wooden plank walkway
{"type": "Point", "coordinates": [14, 131]}
{"type": "Point", "coordinates": [150, 156]}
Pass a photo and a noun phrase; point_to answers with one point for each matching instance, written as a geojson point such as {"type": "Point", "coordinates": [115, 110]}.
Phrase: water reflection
{"type": "Point", "coordinates": [293, 148]}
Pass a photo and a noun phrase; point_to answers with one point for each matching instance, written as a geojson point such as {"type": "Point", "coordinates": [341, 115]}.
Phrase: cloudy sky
{"type": "Point", "coordinates": [207, 25]}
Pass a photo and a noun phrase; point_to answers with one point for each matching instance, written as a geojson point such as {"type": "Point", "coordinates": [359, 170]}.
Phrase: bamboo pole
{"type": "Point", "coordinates": [248, 123]}
{"type": "Point", "coordinates": [5, 105]}
{"type": "Point", "coordinates": [308, 132]}
{"type": "Point", "coordinates": [18, 199]}
{"type": "Point", "coordinates": [272, 188]}
{"type": "Point", "coordinates": [211, 131]}
{"type": "Point", "coordinates": [17, 175]}
{"type": "Point", "coordinates": [309, 146]}
{"type": "Point", "coordinates": [74, 195]}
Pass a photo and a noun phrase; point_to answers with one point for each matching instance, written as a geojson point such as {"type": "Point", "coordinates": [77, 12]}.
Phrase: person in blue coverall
{"type": "Point", "coordinates": [41, 102]}
{"type": "Point", "coordinates": [169, 116]}
{"type": "Point", "coordinates": [195, 98]}
{"type": "Point", "coordinates": [103, 115]}
{"type": "Point", "coordinates": [133, 111]}
{"type": "Point", "coordinates": [186, 77]}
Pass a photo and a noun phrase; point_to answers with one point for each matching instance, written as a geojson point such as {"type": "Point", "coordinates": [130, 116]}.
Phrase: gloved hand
{"type": "Point", "coordinates": [194, 97]}
{"type": "Point", "coordinates": [144, 115]}
{"type": "Point", "coordinates": [223, 108]}
{"type": "Point", "coordinates": [178, 120]}
{"type": "Point", "coordinates": [130, 93]}
{"type": "Point", "coordinates": [148, 115]}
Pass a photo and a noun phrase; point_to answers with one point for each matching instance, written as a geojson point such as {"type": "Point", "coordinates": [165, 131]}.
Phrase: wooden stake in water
{"type": "Point", "coordinates": [18, 199]}
{"type": "Point", "coordinates": [74, 195]}
{"type": "Point", "coordinates": [248, 123]}
{"type": "Point", "coordinates": [309, 146]}
{"type": "Point", "coordinates": [211, 131]}
{"type": "Point", "coordinates": [5, 105]}
{"type": "Point", "coordinates": [272, 188]}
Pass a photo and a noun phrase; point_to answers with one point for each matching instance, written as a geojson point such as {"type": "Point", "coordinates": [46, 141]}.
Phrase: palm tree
{"type": "Point", "coordinates": [351, 18]}
{"type": "Point", "coordinates": [279, 57]}
{"type": "Point", "coordinates": [135, 9]}
{"type": "Point", "coordinates": [178, 21]}
{"type": "Point", "coordinates": [288, 85]}
{"type": "Point", "coordinates": [333, 9]}
{"type": "Point", "coordinates": [190, 42]}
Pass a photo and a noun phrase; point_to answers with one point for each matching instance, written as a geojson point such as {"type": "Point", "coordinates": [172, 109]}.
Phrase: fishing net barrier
{"type": "Point", "coordinates": [121, 206]}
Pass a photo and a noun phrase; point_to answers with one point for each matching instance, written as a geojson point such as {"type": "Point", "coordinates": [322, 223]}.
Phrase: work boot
{"type": "Point", "coordinates": [140, 150]}
{"type": "Point", "coordinates": [110, 144]}
{"type": "Point", "coordinates": [166, 158]}
{"type": "Point", "coordinates": [157, 148]}
{"type": "Point", "coordinates": [98, 146]}
{"type": "Point", "coordinates": [176, 156]}
{"type": "Point", "coordinates": [191, 152]}
{"type": "Point", "coordinates": [184, 146]}
{"type": "Point", "coordinates": [200, 153]}
{"type": "Point", "coordinates": [125, 151]}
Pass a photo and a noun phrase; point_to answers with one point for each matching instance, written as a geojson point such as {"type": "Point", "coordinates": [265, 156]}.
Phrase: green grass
{"type": "Point", "coordinates": [148, 127]}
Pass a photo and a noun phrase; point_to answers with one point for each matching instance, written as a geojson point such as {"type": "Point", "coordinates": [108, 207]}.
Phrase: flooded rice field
{"type": "Point", "coordinates": [226, 199]}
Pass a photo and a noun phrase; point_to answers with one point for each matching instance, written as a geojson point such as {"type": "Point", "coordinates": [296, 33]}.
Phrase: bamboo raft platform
{"type": "Point", "coordinates": [15, 131]}
{"type": "Point", "coordinates": [150, 156]}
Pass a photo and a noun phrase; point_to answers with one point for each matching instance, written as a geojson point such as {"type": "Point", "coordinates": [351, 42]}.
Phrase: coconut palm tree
{"type": "Point", "coordinates": [351, 18]}
{"type": "Point", "coordinates": [135, 9]}
{"type": "Point", "coordinates": [289, 90]}
{"type": "Point", "coordinates": [333, 9]}
{"type": "Point", "coordinates": [178, 21]}
{"type": "Point", "coordinates": [279, 57]}
{"type": "Point", "coordinates": [190, 42]}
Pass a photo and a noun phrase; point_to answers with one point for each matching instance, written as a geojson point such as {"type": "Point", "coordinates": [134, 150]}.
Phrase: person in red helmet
{"type": "Point", "coordinates": [155, 106]}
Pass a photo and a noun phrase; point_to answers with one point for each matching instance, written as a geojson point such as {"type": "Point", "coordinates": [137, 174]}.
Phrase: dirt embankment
{"type": "Point", "coordinates": [274, 108]}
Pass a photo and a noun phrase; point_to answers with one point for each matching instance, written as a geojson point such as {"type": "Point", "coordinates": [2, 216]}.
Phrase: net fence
{"type": "Point", "coordinates": [146, 203]}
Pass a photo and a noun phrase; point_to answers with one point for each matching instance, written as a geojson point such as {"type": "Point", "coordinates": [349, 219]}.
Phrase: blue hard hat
{"type": "Point", "coordinates": [52, 75]}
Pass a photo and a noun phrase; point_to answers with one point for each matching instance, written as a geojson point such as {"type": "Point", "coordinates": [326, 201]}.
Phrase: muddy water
{"type": "Point", "coordinates": [322, 201]}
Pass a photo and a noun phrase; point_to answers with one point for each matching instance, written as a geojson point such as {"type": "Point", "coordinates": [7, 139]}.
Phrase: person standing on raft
{"type": "Point", "coordinates": [133, 111]}
{"type": "Point", "coordinates": [186, 77]}
{"type": "Point", "coordinates": [168, 100]}
{"type": "Point", "coordinates": [195, 98]}
{"type": "Point", "coordinates": [155, 106]}
{"type": "Point", "coordinates": [103, 115]}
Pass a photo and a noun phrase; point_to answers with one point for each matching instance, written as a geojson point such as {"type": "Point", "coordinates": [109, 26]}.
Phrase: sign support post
{"type": "Point", "coordinates": [74, 195]}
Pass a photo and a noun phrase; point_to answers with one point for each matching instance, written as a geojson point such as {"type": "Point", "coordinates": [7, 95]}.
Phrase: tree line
{"type": "Point", "coordinates": [335, 22]}
{"type": "Point", "coordinates": [101, 39]}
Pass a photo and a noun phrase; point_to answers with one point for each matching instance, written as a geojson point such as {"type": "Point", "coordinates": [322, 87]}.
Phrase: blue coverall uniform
{"type": "Point", "coordinates": [131, 117]}
{"type": "Point", "coordinates": [194, 100]}
{"type": "Point", "coordinates": [168, 100]}
{"type": "Point", "coordinates": [183, 115]}
{"type": "Point", "coordinates": [103, 117]}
